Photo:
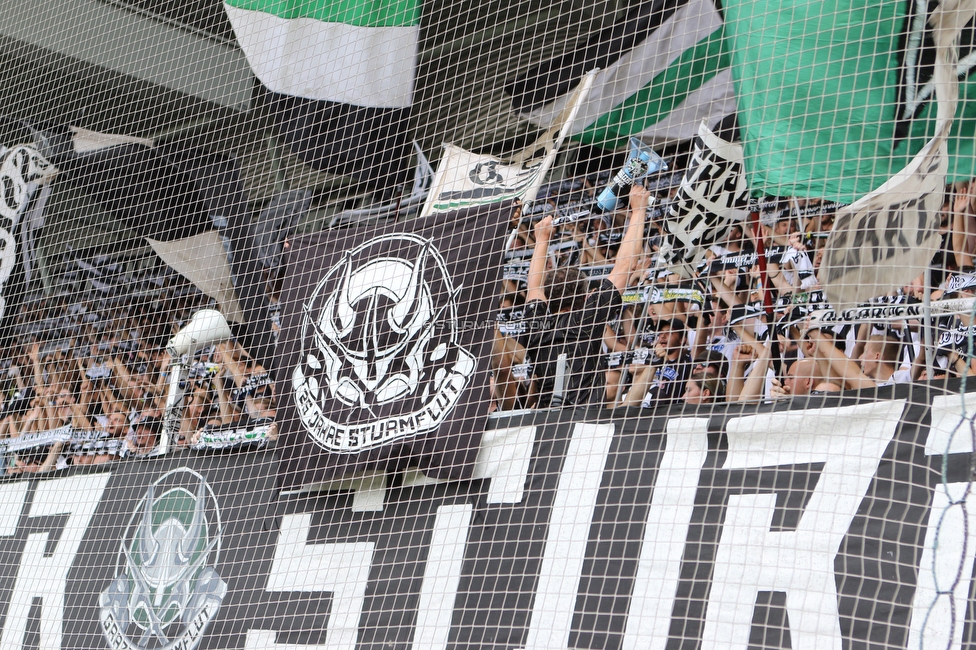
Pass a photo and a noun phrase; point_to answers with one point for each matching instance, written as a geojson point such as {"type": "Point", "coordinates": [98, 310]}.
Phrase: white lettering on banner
{"type": "Point", "coordinates": [665, 532]}
{"type": "Point", "coordinates": [342, 569]}
{"type": "Point", "coordinates": [369, 494]}
{"type": "Point", "coordinates": [442, 575]}
{"type": "Point", "coordinates": [946, 569]}
{"type": "Point", "coordinates": [945, 573]}
{"type": "Point", "coordinates": [504, 458]}
{"type": "Point", "coordinates": [950, 431]}
{"type": "Point", "coordinates": [751, 558]}
{"type": "Point", "coordinates": [12, 497]}
{"type": "Point", "coordinates": [569, 526]}
{"type": "Point", "coordinates": [43, 571]}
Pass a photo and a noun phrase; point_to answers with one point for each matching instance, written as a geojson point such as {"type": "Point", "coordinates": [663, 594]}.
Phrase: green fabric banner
{"type": "Point", "coordinates": [817, 85]}
{"type": "Point", "coordinates": [360, 13]}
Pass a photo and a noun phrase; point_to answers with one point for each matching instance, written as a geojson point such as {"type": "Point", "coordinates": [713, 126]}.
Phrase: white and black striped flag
{"type": "Point", "coordinates": [713, 195]}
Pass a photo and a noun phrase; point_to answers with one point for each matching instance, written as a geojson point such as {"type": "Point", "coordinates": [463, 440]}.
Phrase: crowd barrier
{"type": "Point", "coordinates": [844, 524]}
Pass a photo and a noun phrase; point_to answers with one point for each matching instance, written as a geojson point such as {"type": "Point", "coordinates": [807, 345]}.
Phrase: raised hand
{"type": "Point", "coordinates": [543, 229]}
{"type": "Point", "coordinates": [778, 391]}
{"type": "Point", "coordinates": [638, 197]}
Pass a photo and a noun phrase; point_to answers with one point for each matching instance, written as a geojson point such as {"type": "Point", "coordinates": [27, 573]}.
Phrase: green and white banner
{"type": "Point", "coordinates": [663, 72]}
{"type": "Point", "coordinates": [347, 51]}
{"type": "Point", "coordinates": [341, 79]}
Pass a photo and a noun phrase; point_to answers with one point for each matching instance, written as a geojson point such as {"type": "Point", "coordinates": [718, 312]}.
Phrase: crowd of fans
{"type": "Point", "coordinates": [85, 373]}
{"type": "Point", "coordinates": [589, 317]}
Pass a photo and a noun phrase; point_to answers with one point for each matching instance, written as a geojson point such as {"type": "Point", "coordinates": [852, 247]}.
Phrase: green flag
{"type": "Point", "coordinates": [833, 96]}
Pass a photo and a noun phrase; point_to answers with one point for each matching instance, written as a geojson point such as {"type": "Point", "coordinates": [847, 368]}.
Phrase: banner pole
{"type": "Point", "coordinates": [927, 322]}
{"type": "Point", "coordinates": [173, 412]}
{"type": "Point", "coordinates": [761, 258]}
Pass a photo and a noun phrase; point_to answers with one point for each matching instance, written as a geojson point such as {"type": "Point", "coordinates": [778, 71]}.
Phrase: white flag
{"type": "Point", "coordinates": [202, 259]}
{"type": "Point", "coordinates": [464, 179]}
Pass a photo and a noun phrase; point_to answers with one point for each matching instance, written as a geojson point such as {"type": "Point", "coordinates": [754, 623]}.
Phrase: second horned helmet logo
{"type": "Point", "coordinates": [167, 588]}
{"type": "Point", "coordinates": [379, 341]}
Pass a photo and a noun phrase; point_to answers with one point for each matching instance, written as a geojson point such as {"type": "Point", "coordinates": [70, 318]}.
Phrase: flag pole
{"type": "Point", "coordinates": [761, 259]}
{"type": "Point", "coordinates": [927, 322]}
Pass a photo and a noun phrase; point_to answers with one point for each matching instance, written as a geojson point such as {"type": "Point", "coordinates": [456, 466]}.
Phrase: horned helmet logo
{"type": "Point", "coordinates": [168, 589]}
{"type": "Point", "coordinates": [379, 327]}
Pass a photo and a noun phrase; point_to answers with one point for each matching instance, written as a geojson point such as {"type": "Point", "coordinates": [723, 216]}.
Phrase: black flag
{"type": "Point", "coordinates": [171, 192]}
{"type": "Point", "coordinates": [385, 342]}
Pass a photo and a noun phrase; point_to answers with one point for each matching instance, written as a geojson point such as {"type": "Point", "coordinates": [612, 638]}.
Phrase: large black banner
{"type": "Point", "coordinates": [385, 345]}
{"type": "Point", "coordinates": [844, 525]}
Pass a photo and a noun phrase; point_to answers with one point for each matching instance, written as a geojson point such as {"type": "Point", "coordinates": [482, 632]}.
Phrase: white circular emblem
{"type": "Point", "coordinates": [380, 357]}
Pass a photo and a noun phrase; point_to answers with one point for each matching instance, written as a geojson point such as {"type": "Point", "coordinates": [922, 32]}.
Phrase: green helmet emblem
{"type": "Point", "coordinates": [167, 589]}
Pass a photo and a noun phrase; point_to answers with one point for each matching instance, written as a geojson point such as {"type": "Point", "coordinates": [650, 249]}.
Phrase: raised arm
{"type": "Point", "coordinates": [35, 356]}
{"type": "Point", "coordinates": [537, 265]}
{"type": "Point", "coordinates": [223, 399]}
{"type": "Point", "coordinates": [52, 458]}
{"type": "Point", "coordinates": [743, 355]}
{"type": "Point", "coordinates": [628, 255]}
{"type": "Point", "coordinates": [232, 366]}
{"type": "Point", "coordinates": [86, 396]}
{"type": "Point", "coordinates": [123, 385]}
{"type": "Point", "coordinates": [702, 335]}
{"type": "Point", "coordinates": [775, 274]}
{"type": "Point", "coordinates": [840, 365]}
{"type": "Point", "coordinates": [752, 389]}
{"type": "Point", "coordinates": [109, 403]}
{"type": "Point", "coordinates": [728, 296]}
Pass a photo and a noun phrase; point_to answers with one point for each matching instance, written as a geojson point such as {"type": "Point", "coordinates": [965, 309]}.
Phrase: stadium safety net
{"type": "Point", "coordinates": [428, 325]}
